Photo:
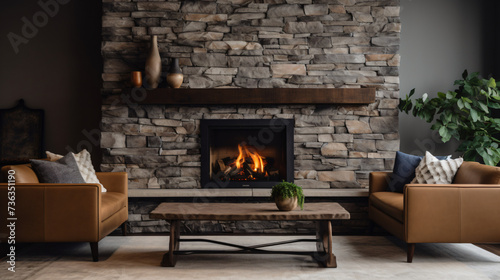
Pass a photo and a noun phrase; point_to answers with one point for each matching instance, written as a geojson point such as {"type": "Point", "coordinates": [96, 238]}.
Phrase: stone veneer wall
{"type": "Point", "coordinates": [241, 43]}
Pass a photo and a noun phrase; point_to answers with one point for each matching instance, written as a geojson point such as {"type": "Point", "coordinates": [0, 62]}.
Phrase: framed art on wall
{"type": "Point", "coordinates": [21, 134]}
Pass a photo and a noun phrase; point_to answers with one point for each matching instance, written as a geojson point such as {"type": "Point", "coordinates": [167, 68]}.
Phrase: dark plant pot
{"type": "Point", "coordinates": [286, 204]}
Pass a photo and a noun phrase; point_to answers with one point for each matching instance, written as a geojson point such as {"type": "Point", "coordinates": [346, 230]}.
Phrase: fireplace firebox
{"type": "Point", "coordinates": [246, 153]}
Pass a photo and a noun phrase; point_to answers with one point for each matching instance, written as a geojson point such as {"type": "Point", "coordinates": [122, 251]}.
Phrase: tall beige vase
{"type": "Point", "coordinates": [153, 64]}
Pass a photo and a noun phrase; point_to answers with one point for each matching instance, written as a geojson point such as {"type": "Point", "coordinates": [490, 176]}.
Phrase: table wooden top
{"type": "Point", "coordinates": [248, 211]}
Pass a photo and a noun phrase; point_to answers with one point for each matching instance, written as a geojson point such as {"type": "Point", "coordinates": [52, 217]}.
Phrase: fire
{"type": "Point", "coordinates": [239, 161]}
{"type": "Point", "coordinates": [247, 165]}
{"type": "Point", "coordinates": [257, 161]}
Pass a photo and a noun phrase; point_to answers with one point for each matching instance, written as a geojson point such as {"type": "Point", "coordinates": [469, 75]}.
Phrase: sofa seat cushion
{"type": "Point", "coordinates": [112, 202]}
{"type": "Point", "coordinates": [391, 203]}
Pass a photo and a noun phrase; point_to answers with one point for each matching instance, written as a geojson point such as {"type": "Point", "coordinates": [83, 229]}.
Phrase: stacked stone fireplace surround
{"type": "Point", "coordinates": [253, 44]}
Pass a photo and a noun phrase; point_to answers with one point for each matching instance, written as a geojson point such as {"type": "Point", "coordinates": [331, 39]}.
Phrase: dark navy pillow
{"type": "Point", "coordinates": [404, 170]}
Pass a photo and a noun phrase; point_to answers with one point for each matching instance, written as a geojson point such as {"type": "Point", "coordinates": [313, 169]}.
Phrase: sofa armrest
{"type": "Point", "coordinates": [379, 181]}
{"type": "Point", "coordinates": [54, 212]}
{"type": "Point", "coordinates": [114, 181]}
{"type": "Point", "coordinates": [457, 186]}
{"type": "Point", "coordinates": [452, 213]}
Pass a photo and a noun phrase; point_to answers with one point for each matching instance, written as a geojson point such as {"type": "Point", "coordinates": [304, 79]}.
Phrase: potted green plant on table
{"type": "Point", "coordinates": [287, 196]}
{"type": "Point", "coordinates": [464, 114]}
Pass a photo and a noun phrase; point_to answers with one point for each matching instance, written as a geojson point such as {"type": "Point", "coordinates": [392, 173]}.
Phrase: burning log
{"type": "Point", "coordinates": [228, 170]}
{"type": "Point", "coordinates": [234, 171]}
{"type": "Point", "coordinates": [260, 176]}
{"type": "Point", "coordinates": [222, 165]}
{"type": "Point", "coordinates": [248, 171]}
{"type": "Point", "coordinates": [273, 172]}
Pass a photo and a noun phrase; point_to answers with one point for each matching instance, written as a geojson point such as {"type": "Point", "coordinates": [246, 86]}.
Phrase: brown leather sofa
{"type": "Point", "coordinates": [466, 211]}
{"type": "Point", "coordinates": [64, 212]}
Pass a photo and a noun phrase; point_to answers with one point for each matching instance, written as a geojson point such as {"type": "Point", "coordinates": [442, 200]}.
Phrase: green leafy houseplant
{"type": "Point", "coordinates": [288, 190]}
{"type": "Point", "coordinates": [464, 114]}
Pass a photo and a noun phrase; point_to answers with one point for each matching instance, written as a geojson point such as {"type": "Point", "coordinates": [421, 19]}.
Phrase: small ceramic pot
{"type": "Point", "coordinates": [175, 76]}
{"type": "Point", "coordinates": [136, 79]}
{"type": "Point", "coordinates": [286, 204]}
{"type": "Point", "coordinates": [174, 80]}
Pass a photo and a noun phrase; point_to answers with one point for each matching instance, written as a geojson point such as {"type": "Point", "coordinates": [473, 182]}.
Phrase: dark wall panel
{"type": "Point", "coordinates": [56, 67]}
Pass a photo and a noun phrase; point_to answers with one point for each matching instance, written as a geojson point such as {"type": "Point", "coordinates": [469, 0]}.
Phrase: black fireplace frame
{"type": "Point", "coordinates": [206, 125]}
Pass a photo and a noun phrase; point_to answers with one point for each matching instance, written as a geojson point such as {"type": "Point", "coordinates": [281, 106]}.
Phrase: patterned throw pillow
{"type": "Point", "coordinates": [434, 171]}
{"type": "Point", "coordinates": [404, 170]}
{"type": "Point", "coordinates": [85, 166]}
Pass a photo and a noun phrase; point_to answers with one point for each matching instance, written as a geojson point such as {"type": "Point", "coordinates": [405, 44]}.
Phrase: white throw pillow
{"type": "Point", "coordinates": [53, 157]}
{"type": "Point", "coordinates": [434, 171]}
{"type": "Point", "coordinates": [85, 166]}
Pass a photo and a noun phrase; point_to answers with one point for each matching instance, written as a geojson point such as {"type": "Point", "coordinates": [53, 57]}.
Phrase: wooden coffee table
{"type": "Point", "coordinates": [322, 213]}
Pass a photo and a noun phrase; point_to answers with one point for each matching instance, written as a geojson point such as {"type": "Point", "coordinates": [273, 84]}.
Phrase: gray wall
{"type": "Point", "coordinates": [439, 39]}
{"type": "Point", "coordinates": [58, 70]}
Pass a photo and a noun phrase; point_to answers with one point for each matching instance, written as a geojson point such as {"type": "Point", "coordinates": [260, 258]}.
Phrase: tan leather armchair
{"type": "Point", "coordinates": [466, 211]}
{"type": "Point", "coordinates": [64, 212]}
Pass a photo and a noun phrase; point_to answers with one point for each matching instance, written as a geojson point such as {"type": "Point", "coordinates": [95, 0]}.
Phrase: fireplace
{"type": "Point", "coordinates": [246, 153]}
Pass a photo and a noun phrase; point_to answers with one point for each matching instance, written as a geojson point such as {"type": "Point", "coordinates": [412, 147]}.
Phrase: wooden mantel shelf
{"type": "Point", "coordinates": [243, 192]}
{"type": "Point", "coordinates": [227, 96]}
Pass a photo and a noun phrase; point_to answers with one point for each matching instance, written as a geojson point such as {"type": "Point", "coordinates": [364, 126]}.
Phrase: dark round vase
{"type": "Point", "coordinates": [175, 76]}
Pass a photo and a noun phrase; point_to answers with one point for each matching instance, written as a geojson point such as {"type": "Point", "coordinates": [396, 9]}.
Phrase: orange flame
{"type": "Point", "coordinates": [258, 162]}
{"type": "Point", "coordinates": [240, 159]}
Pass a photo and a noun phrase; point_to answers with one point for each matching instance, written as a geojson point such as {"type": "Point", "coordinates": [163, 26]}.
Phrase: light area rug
{"type": "Point", "coordinates": [358, 257]}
